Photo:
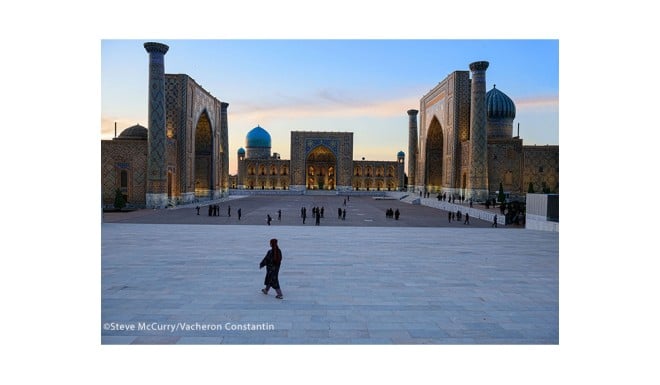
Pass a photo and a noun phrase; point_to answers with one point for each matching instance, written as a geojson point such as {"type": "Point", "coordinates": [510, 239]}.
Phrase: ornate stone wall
{"type": "Point", "coordinates": [445, 103]}
{"type": "Point", "coordinates": [339, 143]}
{"type": "Point", "coordinates": [127, 155]}
{"type": "Point", "coordinates": [505, 161]}
{"type": "Point", "coordinates": [541, 168]}
{"type": "Point", "coordinates": [265, 174]}
{"type": "Point", "coordinates": [187, 102]}
{"type": "Point", "coordinates": [376, 175]}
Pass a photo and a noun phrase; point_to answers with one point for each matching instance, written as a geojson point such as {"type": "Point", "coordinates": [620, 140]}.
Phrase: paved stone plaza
{"type": "Point", "coordinates": [372, 282]}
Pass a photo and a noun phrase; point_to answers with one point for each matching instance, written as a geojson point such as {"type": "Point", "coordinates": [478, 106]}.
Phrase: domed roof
{"type": "Point", "coordinates": [241, 150]}
{"type": "Point", "coordinates": [134, 132]}
{"type": "Point", "coordinates": [257, 137]}
{"type": "Point", "coordinates": [401, 153]}
{"type": "Point", "coordinates": [499, 105]}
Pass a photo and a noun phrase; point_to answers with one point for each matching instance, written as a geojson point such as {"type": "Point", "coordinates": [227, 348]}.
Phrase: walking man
{"type": "Point", "coordinates": [239, 214]}
{"type": "Point", "coordinates": [279, 215]}
{"type": "Point", "coordinates": [467, 219]}
{"type": "Point", "coordinates": [269, 219]}
{"type": "Point", "coordinates": [494, 221]}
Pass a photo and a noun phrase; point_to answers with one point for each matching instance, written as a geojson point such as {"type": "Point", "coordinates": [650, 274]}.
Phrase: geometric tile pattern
{"type": "Point", "coordinates": [128, 155]}
{"type": "Point", "coordinates": [541, 168]}
{"type": "Point", "coordinates": [412, 145]}
{"type": "Point", "coordinates": [478, 175]}
{"type": "Point", "coordinates": [157, 170]}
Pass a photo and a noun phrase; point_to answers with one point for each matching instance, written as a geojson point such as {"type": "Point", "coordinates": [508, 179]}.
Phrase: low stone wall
{"type": "Point", "coordinates": [444, 205]}
{"type": "Point", "coordinates": [538, 222]}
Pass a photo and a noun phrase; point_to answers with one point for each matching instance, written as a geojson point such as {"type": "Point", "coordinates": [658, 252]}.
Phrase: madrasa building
{"type": "Point", "coordinates": [182, 157]}
{"type": "Point", "coordinates": [465, 145]}
{"type": "Point", "coordinates": [319, 161]}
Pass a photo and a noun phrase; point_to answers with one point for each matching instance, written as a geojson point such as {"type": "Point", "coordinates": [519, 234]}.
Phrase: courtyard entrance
{"type": "Point", "coordinates": [320, 167]}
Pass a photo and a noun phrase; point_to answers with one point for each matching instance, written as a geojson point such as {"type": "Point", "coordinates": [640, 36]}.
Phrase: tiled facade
{"type": "Point", "coordinates": [445, 158]}
{"type": "Point", "coordinates": [184, 156]}
{"type": "Point", "coordinates": [319, 161]}
{"type": "Point", "coordinates": [128, 157]}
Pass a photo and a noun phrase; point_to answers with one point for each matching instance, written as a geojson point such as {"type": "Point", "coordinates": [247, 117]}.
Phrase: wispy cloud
{"type": "Point", "coordinates": [323, 104]}
{"type": "Point", "coordinates": [538, 101]}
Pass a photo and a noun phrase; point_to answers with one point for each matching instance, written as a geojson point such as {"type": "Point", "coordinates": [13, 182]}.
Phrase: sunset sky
{"type": "Point", "coordinates": [359, 86]}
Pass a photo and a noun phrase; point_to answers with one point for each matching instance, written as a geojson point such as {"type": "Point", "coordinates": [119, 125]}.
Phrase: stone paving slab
{"type": "Point", "coordinates": [342, 285]}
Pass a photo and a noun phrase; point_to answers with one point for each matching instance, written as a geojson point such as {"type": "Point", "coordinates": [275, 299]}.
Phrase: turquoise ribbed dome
{"type": "Point", "coordinates": [401, 153]}
{"type": "Point", "coordinates": [499, 105]}
{"type": "Point", "coordinates": [241, 151]}
{"type": "Point", "coordinates": [257, 137]}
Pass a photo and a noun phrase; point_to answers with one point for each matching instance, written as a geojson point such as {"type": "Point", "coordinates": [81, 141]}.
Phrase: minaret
{"type": "Point", "coordinates": [224, 149]}
{"type": "Point", "coordinates": [401, 159]}
{"type": "Point", "coordinates": [156, 168]}
{"type": "Point", "coordinates": [412, 148]}
{"type": "Point", "coordinates": [477, 185]}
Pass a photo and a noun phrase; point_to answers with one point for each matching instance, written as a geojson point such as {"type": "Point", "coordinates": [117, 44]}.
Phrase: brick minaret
{"type": "Point", "coordinates": [412, 148]}
{"type": "Point", "coordinates": [477, 185]}
{"type": "Point", "coordinates": [157, 168]}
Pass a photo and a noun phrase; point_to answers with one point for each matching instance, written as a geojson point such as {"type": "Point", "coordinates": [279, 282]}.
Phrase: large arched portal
{"type": "Point", "coordinates": [203, 157]}
{"type": "Point", "coordinates": [434, 156]}
{"type": "Point", "coordinates": [320, 169]}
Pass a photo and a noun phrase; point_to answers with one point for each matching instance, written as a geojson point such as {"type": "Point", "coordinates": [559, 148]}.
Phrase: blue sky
{"type": "Point", "coordinates": [361, 86]}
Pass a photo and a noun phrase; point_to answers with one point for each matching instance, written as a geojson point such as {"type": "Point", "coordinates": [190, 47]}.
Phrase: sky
{"type": "Point", "coordinates": [347, 85]}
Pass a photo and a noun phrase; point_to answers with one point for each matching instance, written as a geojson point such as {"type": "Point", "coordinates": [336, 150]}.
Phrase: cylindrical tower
{"type": "Point", "coordinates": [412, 148]}
{"type": "Point", "coordinates": [477, 186]}
{"type": "Point", "coordinates": [240, 182]}
{"type": "Point", "coordinates": [156, 195]}
{"type": "Point", "coordinates": [401, 159]}
{"type": "Point", "coordinates": [224, 149]}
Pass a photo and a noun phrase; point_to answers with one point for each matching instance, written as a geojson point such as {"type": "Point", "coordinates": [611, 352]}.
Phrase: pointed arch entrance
{"type": "Point", "coordinates": [433, 161]}
{"type": "Point", "coordinates": [203, 157]}
{"type": "Point", "coordinates": [320, 169]}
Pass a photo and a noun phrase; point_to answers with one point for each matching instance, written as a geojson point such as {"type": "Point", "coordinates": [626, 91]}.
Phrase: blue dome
{"type": "Point", "coordinates": [241, 150]}
{"type": "Point", "coordinates": [401, 153]}
{"type": "Point", "coordinates": [257, 137]}
{"type": "Point", "coordinates": [499, 105]}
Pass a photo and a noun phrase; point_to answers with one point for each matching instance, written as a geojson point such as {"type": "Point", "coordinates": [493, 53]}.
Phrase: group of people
{"type": "Point", "coordinates": [214, 211]}
{"type": "Point", "coordinates": [456, 216]}
{"type": "Point", "coordinates": [389, 213]}
{"type": "Point", "coordinates": [341, 213]}
{"type": "Point", "coordinates": [452, 198]}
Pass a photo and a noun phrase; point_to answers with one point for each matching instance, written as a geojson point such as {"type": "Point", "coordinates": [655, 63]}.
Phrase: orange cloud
{"type": "Point", "coordinates": [538, 101]}
{"type": "Point", "coordinates": [327, 107]}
